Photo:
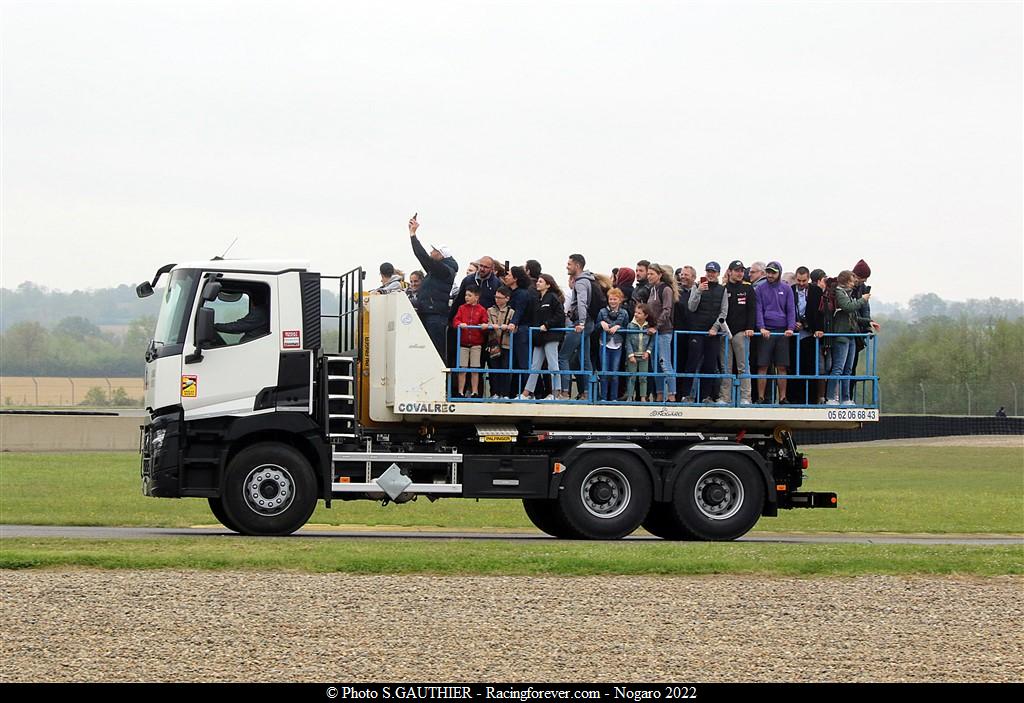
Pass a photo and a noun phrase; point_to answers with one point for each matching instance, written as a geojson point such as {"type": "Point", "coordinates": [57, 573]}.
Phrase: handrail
{"type": "Point", "coordinates": [869, 386]}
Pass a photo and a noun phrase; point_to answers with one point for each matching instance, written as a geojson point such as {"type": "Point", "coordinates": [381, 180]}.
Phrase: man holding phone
{"type": "Point", "coordinates": [709, 307]}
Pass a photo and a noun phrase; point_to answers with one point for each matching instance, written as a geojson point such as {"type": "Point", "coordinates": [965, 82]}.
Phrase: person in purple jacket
{"type": "Point", "coordinates": [776, 312]}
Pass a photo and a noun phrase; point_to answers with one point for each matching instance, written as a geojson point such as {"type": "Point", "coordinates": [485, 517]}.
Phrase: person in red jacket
{"type": "Point", "coordinates": [471, 339]}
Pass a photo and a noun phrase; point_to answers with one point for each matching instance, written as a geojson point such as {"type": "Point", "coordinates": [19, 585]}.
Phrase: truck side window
{"type": "Point", "coordinates": [241, 313]}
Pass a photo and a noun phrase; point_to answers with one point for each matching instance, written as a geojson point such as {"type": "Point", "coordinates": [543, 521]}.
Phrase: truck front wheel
{"type": "Point", "coordinates": [605, 495]}
{"type": "Point", "coordinates": [718, 497]}
{"type": "Point", "coordinates": [269, 490]}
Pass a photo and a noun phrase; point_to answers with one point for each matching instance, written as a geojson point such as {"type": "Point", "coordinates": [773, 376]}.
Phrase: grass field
{"type": "Point", "coordinates": [881, 489]}
{"type": "Point", "coordinates": [511, 558]}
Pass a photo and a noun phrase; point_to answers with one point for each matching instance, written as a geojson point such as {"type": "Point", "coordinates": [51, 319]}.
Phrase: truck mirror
{"type": "Point", "coordinates": [205, 334]}
{"type": "Point", "coordinates": [210, 291]}
{"type": "Point", "coordinates": [144, 289]}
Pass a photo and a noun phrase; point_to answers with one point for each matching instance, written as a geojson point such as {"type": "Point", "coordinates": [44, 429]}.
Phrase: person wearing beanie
{"type": "Point", "coordinates": [866, 325]}
{"type": "Point", "coordinates": [776, 313]}
{"type": "Point", "coordinates": [624, 279]}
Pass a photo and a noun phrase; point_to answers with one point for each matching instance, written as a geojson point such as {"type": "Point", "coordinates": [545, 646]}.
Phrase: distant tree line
{"type": "Point", "coordinates": [933, 355]}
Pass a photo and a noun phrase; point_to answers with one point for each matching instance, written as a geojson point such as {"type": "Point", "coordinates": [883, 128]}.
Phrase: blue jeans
{"type": "Point", "coordinates": [569, 358]}
{"type": "Point", "coordinates": [843, 352]}
{"type": "Point", "coordinates": [668, 383]}
{"type": "Point", "coordinates": [610, 384]}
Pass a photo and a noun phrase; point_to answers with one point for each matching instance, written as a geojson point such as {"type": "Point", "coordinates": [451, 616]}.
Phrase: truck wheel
{"type": "Point", "coordinates": [217, 508]}
{"type": "Point", "coordinates": [546, 515]}
{"type": "Point", "coordinates": [605, 495]}
{"type": "Point", "coordinates": [662, 522]}
{"type": "Point", "coordinates": [718, 497]}
{"type": "Point", "coordinates": [269, 490]}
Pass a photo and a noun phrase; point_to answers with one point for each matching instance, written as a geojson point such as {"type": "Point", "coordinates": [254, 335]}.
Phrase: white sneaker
{"type": "Point", "coordinates": [525, 396]}
{"type": "Point", "coordinates": [831, 401]}
{"type": "Point", "coordinates": [721, 402]}
{"type": "Point", "coordinates": [848, 402]}
{"type": "Point", "coordinates": [495, 397]}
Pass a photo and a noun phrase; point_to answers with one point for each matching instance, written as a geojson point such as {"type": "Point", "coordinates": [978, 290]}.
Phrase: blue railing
{"type": "Point", "coordinates": [821, 383]}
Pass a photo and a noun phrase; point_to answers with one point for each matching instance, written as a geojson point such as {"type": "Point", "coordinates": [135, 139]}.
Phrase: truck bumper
{"type": "Point", "coordinates": [161, 457]}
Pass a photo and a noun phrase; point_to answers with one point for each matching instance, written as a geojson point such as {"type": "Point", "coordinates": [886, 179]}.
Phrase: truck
{"type": "Point", "coordinates": [264, 404]}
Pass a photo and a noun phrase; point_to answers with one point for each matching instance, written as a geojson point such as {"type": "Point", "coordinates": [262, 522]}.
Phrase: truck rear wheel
{"type": "Point", "coordinates": [662, 522]}
{"type": "Point", "coordinates": [605, 495]}
{"type": "Point", "coordinates": [718, 497]}
{"type": "Point", "coordinates": [546, 515]}
{"type": "Point", "coordinates": [269, 490]}
{"type": "Point", "coordinates": [217, 508]}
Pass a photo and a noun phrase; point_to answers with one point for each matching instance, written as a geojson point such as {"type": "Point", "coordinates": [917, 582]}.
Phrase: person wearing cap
{"type": "Point", "coordinates": [776, 313]}
{"type": "Point", "coordinates": [708, 306]}
{"type": "Point", "coordinates": [740, 322]}
{"type": "Point", "coordinates": [440, 268]}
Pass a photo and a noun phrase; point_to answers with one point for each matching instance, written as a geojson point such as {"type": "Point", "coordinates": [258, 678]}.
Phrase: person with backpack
{"type": "Point", "coordinates": [663, 297]}
{"type": "Point", "coordinates": [586, 299]}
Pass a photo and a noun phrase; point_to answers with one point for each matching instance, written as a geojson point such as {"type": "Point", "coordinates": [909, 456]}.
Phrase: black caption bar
{"type": "Point", "coordinates": [626, 692]}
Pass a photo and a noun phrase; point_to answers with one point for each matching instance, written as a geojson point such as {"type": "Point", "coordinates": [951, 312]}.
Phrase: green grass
{"type": "Point", "coordinates": [894, 489]}
{"type": "Point", "coordinates": [510, 558]}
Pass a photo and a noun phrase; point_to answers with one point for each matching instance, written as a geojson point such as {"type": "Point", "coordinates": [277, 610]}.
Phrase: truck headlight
{"type": "Point", "coordinates": [158, 440]}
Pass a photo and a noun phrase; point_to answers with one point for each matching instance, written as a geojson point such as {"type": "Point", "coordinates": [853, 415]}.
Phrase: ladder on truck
{"type": "Point", "coordinates": [339, 370]}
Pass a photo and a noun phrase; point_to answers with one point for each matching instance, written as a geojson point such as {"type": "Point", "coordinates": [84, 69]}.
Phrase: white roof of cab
{"type": "Point", "coordinates": [270, 266]}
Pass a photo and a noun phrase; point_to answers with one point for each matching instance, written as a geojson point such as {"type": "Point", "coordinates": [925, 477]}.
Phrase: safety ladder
{"type": "Point", "coordinates": [341, 397]}
{"type": "Point", "coordinates": [340, 365]}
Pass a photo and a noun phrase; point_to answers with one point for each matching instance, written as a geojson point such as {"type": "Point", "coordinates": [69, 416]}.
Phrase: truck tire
{"type": "Point", "coordinates": [547, 516]}
{"type": "Point", "coordinates": [217, 508]}
{"type": "Point", "coordinates": [269, 489]}
{"type": "Point", "coordinates": [718, 497]}
{"type": "Point", "coordinates": [662, 522]}
{"type": "Point", "coordinates": [605, 495]}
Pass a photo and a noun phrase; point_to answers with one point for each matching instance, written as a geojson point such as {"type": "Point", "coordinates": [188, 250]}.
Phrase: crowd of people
{"type": "Point", "coordinates": [653, 333]}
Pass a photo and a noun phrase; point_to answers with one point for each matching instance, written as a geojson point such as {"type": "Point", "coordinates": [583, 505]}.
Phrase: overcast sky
{"type": "Point", "coordinates": [140, 133]}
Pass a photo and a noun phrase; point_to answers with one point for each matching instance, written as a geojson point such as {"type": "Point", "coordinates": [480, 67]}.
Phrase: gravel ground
{"type": "Point", "coordinates": [84, 625]}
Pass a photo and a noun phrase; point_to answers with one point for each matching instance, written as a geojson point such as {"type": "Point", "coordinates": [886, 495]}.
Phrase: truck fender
{"type": "Point", "coordinates": [295, 429]}
{"type": "Point", "coordinates": [632, 448]}
{"type": "Point", "coordinates": [683, 458]}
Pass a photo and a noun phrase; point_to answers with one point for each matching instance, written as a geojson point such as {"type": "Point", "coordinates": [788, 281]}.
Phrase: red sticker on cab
{"type": "Point", "coordinates": [291, 339]}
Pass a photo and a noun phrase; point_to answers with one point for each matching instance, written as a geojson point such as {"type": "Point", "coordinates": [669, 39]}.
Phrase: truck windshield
{"type": "Point", "coordinates": [170, 325]}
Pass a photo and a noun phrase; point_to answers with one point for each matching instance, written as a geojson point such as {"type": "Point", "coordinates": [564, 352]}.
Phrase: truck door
{"type": "Point", "coordinates": [244, 358]}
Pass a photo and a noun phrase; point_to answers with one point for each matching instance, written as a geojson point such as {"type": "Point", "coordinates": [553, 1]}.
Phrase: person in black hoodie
{"type": "Point", "coordinates": [549, 314]}
{"type": "Point", "coordinates": [433, 294]}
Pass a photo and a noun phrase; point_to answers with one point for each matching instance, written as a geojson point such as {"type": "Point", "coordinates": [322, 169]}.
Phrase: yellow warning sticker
{"type": "Point", "coordinates": [189, 386]}
{"type": "Point", "coordinates": [497, 438]}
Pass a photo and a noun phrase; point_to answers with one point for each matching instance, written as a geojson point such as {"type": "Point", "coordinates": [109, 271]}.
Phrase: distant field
{"type": "Point", "coordinates": [16, 391]}
{"type": "Point", "coordinates": [881, 489]}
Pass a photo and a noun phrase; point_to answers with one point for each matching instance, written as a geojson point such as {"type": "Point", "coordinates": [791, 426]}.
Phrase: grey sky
{"type": "Point", "coordinates": [136, 134]}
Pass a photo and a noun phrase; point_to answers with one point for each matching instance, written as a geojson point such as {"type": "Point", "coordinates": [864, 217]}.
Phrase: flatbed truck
{"type": "Point", "coordinates": [265, 423]}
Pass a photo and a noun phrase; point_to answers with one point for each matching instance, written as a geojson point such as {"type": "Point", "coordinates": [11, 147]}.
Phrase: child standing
{"type": "Point", "coordinates": [612, 319]}
{"type": "Point", "coordinates": [638, 355]}
{"type": "Point", "coordinates": [499, 322]}
{"type": "Point", "coordinates": [469, 315]}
